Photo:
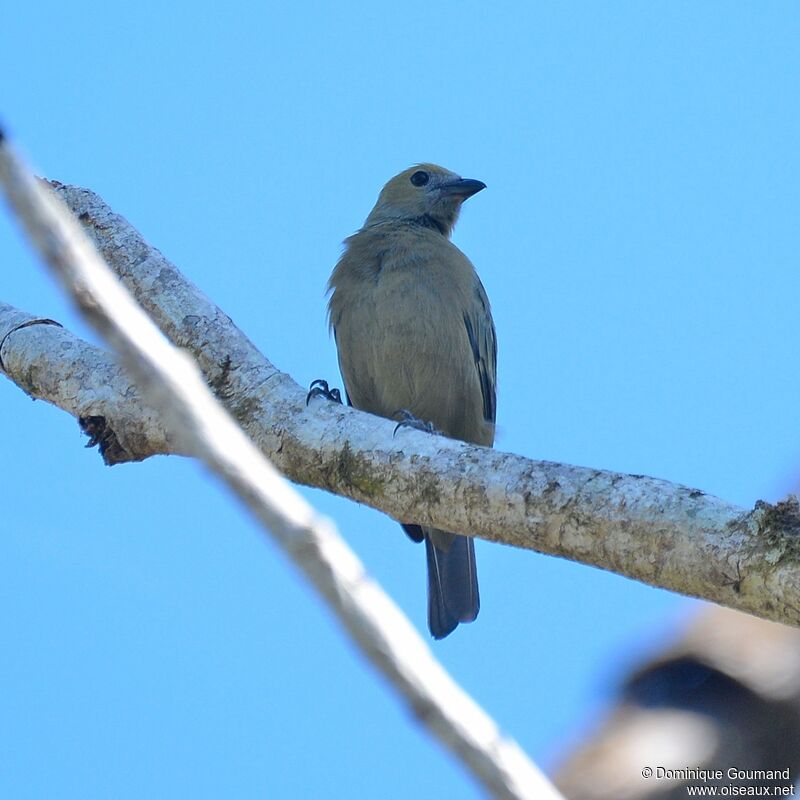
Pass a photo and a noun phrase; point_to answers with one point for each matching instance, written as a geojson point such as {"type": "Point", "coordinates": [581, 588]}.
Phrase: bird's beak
{"type": "Point", "coordinates": [463, 188]}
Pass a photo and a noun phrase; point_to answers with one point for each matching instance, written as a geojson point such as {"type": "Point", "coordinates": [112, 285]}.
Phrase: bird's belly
{"type": "Point", "coordinates": [417, 358]}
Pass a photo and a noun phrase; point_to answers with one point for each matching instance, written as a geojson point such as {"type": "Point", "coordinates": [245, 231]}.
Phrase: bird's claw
{"type": "Point", "coordinates": [320, 388]}
{"type": "Point", "coordinates": [408, 420]}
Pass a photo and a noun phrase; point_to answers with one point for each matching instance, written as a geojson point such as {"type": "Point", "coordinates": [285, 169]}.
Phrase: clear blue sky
{"type": "Point", "coordinates": [638, 240]}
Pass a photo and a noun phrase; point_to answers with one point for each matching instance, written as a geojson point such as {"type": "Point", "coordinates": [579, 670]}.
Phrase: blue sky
{"type": "Point", "coordinates": [638, 240]}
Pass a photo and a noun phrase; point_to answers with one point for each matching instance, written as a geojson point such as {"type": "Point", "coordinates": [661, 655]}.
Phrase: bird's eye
{"type": "Point", "coordinates": [420, 178]}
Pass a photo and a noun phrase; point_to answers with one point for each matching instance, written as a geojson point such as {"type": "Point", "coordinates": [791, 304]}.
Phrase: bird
{"type": "Point", "coordinates": [415, 337]}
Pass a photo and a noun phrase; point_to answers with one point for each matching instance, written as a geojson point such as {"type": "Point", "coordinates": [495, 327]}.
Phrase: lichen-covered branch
{"type": "Point", "coordinates": [49, 363]}
{"type": "Point", "coordinates": [658, 532]}
{"type": "Point", "coordinates": [171, 382]}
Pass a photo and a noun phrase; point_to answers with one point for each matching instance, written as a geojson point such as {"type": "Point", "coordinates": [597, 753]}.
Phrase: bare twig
{"type": "Point", "coordinates": [172, 383]}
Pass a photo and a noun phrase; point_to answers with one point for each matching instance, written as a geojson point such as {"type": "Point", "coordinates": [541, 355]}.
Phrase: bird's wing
{"type": "Point", "coordinates": [483, 341]}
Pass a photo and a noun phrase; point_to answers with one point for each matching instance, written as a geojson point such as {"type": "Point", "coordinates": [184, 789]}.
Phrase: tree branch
{"type": "Point", "coordinates": [49, 363]}
{"type": "Point", "coordinates": [173, 384]}
{"type": "Point", "coordinates": [661, 533]}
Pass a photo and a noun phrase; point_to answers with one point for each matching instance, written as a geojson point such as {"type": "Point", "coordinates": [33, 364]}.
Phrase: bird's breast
{"type": "Point", "coordinates": [403, 345]}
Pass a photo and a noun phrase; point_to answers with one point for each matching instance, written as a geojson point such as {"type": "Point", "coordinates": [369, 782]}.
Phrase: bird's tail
{"type": "Point", "coordinates": [452, 581]}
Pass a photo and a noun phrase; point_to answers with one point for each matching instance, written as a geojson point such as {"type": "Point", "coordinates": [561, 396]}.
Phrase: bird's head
{"type": "Point", "coordinates": [427, 193]}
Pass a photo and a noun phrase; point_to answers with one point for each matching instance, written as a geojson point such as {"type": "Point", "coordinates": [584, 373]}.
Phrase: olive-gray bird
{"type": "Point", "coordinates": [414, 333]}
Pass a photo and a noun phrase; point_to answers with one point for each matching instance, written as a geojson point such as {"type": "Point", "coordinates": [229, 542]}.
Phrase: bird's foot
{"type": "Point", "coordinates": [320, 388]}
{"type": "Point", "coordinates": [408, 420]}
